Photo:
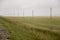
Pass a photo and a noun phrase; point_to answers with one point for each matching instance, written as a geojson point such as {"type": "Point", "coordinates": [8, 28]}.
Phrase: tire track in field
{"type": "Point", "coordinates": [42, 28]}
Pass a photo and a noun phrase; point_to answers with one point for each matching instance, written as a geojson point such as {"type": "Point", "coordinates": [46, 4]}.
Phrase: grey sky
{"type": "Point", "coordinates": [30, 3]}
{"type": "Point", "coordinates": [40, 7]}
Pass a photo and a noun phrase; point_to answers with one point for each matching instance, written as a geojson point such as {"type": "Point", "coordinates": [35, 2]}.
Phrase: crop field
{"type": "Point", "coordinates": [32, 28]}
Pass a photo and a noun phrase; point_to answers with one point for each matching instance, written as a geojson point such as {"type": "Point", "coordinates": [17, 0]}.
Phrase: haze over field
{"type": "Point", "coordinates": [44, 23]}
{"type": "Point", "coordinates": [40, 7]}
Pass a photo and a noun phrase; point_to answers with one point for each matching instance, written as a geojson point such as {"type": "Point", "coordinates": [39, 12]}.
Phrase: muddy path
{"type": "Point", "coordinates": [4, 34]}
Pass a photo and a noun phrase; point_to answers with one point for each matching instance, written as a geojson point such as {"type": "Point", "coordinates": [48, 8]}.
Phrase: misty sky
{"type": "Point", "coordinates": [30, 3]}
{"type": "Point", "coordinates": [40, 7]}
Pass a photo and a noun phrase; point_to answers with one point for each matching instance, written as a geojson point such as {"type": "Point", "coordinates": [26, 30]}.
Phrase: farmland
{"type": "Point", "coordinates": [32, 28]}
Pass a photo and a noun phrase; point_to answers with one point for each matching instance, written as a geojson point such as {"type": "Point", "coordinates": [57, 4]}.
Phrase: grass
{"type": "Point", "coordinates": [36, 28]}
{"type": "Point", "coordinates": [39, 21]}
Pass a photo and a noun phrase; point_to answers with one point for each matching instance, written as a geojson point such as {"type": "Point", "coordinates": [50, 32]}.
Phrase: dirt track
{"type": "Point", "coordinates": [4, 34]}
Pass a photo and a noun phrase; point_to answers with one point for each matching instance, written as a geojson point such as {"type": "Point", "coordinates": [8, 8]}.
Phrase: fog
{"type": "Point", "coordinates": [30, 3]}
{"type": "Point", "coordinates": [39, 7]}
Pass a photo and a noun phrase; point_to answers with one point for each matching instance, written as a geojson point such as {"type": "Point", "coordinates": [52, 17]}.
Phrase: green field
{"type": "Point", "coordinates": [32, 28]}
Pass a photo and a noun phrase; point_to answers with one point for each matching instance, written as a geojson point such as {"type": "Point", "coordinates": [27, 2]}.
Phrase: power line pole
{"type": "Point", "coordinates": [32, 13]}
{"type": "Point", "coordinates": [18, 11]}
{"type": "Point", "coordinates": [50, 13]}
{"type": "Point", "coordinates": [0, 11]}
{"type": "Point", "coordinates": [23, 13]}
